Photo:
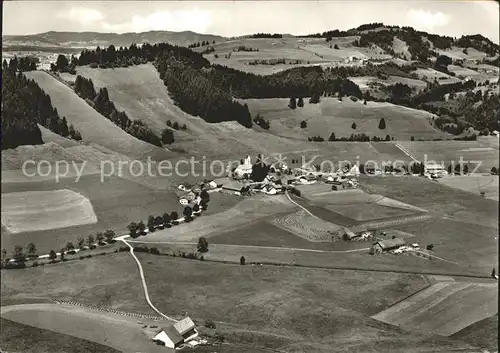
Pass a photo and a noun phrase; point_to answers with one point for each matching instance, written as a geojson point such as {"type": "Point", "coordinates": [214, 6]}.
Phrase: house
{"type": "Point", "coordinates": [386, 245]}
{"type": "Point", "coordinates": [269, 190]}
{"type": "Point", "coordinates": [169, 337]}
{"type": "Point", "coordinates": [434, 169]}
{"type": "Point", "coordinates": [174, 336]}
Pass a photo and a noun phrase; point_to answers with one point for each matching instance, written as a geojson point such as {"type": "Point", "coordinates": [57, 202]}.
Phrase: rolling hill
{"type": "Point", "coordinates": [93, 39]}
{"type": "Point", "coordinates": [92, 125]}
{"type": "Point", "coordinates": [330, 115]}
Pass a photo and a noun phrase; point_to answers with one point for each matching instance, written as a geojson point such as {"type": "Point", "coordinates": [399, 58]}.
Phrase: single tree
{"type": "Point", "coordinates": [80, 241]}
{"type": "Point", "coordinates": [364, 102]}
{"type": "Point", "coordinates": [242, 260]}
{"type": "Point", "coordinates": [303, 124]}
{"type": "Point", "coordinates": [61, 255]}
{"type": "Point", "coordinates": [335, 46]}
{"type": "Point", "coordinates": [109, 234]}
{"type": "Point", "coordinates": [90, 240]}
{"type": "Point", "coordinates": [353, 126]}
{"type": "Point", "coordinates": [332, 137]}
{"type": "Point", "coordinates": [99, 237]}
{"type": "Point", "coordinates": [52, 255]}
{"type": "Point", "coordinates": [174, 216]}
{"type": "Point", "coordinates": [204, 195]}
{"type": "Point", "coordinates": [151, 223]}
{"type": "Point", "coordinates": [494, 171]}
{"type": "Point", "coordinates": [493, 273]}
{"type": "Point", "coordinates": [166, 218]}
{"type": "Point", "coordinates": [387, 137]}
{"type": "Point", "coordinates": [158, 221]}
{"type": "Point", "coordinates": [141, 227]}
{"type": "Point", "coordinates": [4, 254]}
{"type": "Point", "coordinates": [31, 250]}
{"type": "Point", "coordinates": [70, 246]}
{"type": "Point", "coordinates": [412, 138]}
{"type": "Point", "coordinates": [381, 124]}
{"type": "Point", "coordinates": [315, 98]}
{"type": "Point", "coordinates": [196, 208]}
{"type": "Point", "coordinates": [300, 102]}
{"type": "Point", "coordinates": [202, 244]}
{"type": "Point", "coordinates": [19, 254]}
{"type": "Point", "coordinates": [188, 212]}
{"type": "Point", "coordinates": [167, 137]}
{"type": "Point", "coordinates": [175, 125]}
{"type": "Point", "coordinates": [292, 104]}
{"type": "Point", "coordinates": [132, 228]}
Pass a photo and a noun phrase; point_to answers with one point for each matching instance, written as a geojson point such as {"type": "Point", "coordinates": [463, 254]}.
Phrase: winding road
{"type": "Point", "coordinates": [143, 279]}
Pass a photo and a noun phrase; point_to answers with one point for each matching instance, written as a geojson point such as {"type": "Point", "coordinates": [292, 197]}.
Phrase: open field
{"type": "Point", "coordinates": [16, 337]}
{"type": "Point", "coordinates": [306, 226]}
{"type": "Point", "coordinates": [271, 302]}
{"type": "Point", "coordinates": [364, 82]}
{"type": "Point", "coordinates": [308, 51]}
{"type": "Point", "coordinates": [15, 158]}
{"type": "Point", "coordinates": [139, 91]}
{"type": "Point", "coordinates": [116, 203]}
{"type": "Point", "coordinates": [482, 150]}
{"type": "Point", "coordinates": [44, 210]}
{"type": "Point", "coordinates": [435, 198]}
{"type": "Point", "coordinates": [121, 333]}
{"type": "Point", "coordinates": [365, 212]}
{"type": "Point", "coordinates": [444, 308]}
{"type": "Point", "coordinates": [249, 210]}
{"type": "Point", "coordinates": [330, 115]}
{"type": "Point", "coordinates": [429, 75]}
{"type": "Point", "coordinates": [93, 126]}
{"type": "Point", "coordinates": [483, 333]}
{"type": "Point", "coordinates": [475, 184]}
{"type": "Point", "coordinates": [266, 234]}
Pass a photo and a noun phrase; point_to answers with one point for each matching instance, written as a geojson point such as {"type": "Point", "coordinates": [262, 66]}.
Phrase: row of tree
{"type": "Point", "coordinates": [24, 105]}
{"type": "Point", "coordinates": [23, 64]}
{"type": "Point", "coordinates": [168, 220]}
{"type": "Point", "coordinates": [100, 102]}
{"type": "Point", "coordinates": [263, 123]}
{"type": "Point", "coordinates": [352, 138]}
{"type": "Point", "coordinates": [20, 256]}
{"type": "Point", "coordinates": [200, 44]}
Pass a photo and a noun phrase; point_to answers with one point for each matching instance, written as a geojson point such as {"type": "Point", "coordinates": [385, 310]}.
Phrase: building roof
{"type": "Point", "coordinates": [184, 325]}
{"type": "Point", "coordinates": [390, 243]}
{"type": "Point", "coordinates": [174, 336]}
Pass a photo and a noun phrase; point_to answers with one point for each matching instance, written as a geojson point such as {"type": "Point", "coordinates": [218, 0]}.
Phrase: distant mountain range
{"type": "Point", "coordinates": [54, 41]}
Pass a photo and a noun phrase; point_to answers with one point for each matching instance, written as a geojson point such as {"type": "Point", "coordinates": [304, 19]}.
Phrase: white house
{"type": "Point", "coordinates": [174, 336]}
{"type": "Point", "coordinates": [434, 169]}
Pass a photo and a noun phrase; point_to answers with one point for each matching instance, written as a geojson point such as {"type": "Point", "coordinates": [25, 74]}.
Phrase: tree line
{"type": "Point", "coordinates": [24, 105]}
{"type": "Point", "coordinates": [198, 44]}
{"type": "Point", "coordinates": [167, 220]}
{"type": "Point", "coordinates": [100, 101]}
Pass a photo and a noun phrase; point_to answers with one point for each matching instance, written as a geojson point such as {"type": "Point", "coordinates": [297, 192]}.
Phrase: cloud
{"type": "Point", "coordinates": [82, 15]}
{"type": "Point", "coordinates": [193, 20]}
{"type": "Point", "coordinates": [427, 19]}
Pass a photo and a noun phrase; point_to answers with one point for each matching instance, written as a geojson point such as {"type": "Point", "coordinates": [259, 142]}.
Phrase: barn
{"type": "Point", "coordinates": [174, 336]}
{"type": "Point", "coordinates": [386, 245]}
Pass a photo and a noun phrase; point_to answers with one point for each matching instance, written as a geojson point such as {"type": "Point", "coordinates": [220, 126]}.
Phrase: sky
{"type": "Point", "coordinates": [235, 18]}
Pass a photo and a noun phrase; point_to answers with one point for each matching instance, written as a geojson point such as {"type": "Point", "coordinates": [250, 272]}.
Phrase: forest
{"type": "Point", "coordinates": [24, 105]}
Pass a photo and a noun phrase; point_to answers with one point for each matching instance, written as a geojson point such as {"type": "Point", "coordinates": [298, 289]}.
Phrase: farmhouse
{"type": "Point", "coordinates": [434, 169]}
{"type": "Point", "coordinates": [386, 245]}
{"type": "Point", "coordinates": [176, 335]}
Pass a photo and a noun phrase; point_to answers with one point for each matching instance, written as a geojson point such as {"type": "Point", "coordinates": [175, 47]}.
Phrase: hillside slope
{"type": "Point", "coordinates": [93, 126]}
{"type": "Point", "coordinates": [139, 91]}
{"type": "Point", "coordinates": [330, 115]}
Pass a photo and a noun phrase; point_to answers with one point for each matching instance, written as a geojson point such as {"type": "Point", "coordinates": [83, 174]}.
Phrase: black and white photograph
{"type": "Point", "coordinates": [250, 176]}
